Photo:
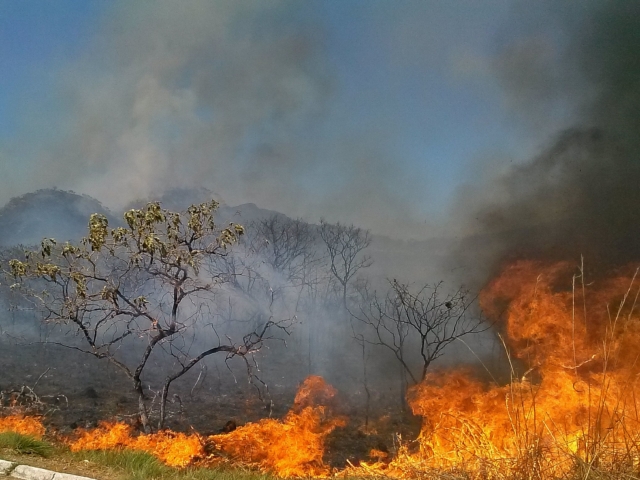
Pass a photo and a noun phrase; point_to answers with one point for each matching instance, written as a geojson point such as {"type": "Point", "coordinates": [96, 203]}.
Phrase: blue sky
{"type": "Point", "coordinates": [372, 112]}
{"type": "Point", "coordinates": [35, 37]}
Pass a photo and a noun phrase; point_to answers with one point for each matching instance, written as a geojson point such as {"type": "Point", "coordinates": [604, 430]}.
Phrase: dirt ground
{"type": "Point", "coordinates": [75, 391]}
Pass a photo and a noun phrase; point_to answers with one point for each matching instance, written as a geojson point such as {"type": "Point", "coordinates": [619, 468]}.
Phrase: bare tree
{"type": "Point", "coordinates": [345, 244]}
{"type": "Point", "coordinates": [288, 246]}
{"type": "Point", "coordinates": [294, 250]}
{"type": "Point", "coordinates": [424, 319]}
{"type": "Point", "coordinates": [127, 292]}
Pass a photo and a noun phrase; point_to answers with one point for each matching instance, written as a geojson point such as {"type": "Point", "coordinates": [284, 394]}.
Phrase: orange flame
{"type": "Point", "coordinates": [314, 391]}
{"type": "Point", "coordinates": [24, 425]}
{"type": "Point", "coordinates": [576, 404]}
{"type": "Point", "coordinates": [174, 449]}
{"type": "Point", "coordinates": [293, 447]}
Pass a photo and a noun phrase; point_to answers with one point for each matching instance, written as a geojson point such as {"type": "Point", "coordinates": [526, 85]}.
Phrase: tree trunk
{"type": "Point", "coordinates": [425, 368]}
{"type": "Point", "coordinates": [344, 294]}
{"type": "Point", "coordinates": [142, 407]}
{"type": "Point", "coordinates": [403, 389]}
{"type": "Point", "coordinates": [163, 404]}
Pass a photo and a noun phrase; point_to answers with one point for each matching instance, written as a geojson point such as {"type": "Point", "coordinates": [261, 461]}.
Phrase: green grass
{"type": "Point", "coordinates": [138, 465]}
{"type": "Point", "coordinates": [25, 444]}
{"type": "Point", "coordinates": [221, 474]}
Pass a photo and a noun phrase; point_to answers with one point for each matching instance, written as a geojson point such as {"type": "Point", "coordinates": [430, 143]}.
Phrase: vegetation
{"type": "Point", "coordinates": [144, 466]}
{"type": "Point", "coordinates": [344, 245]}
{"type": "Point", "coordinates": [174, 286]}
{"type": "Point", "coordinates": [424, 320]}
{"type": "Point", "coordinates": [137, 465]}
{"type": "Point", "coordinates": [121, 465]}
{"type": "Point", "coordinates": [26, 444]}
{"type": "Point", "coordinates": [166, 290]}
{"type": "Point", "coordinates": [146, 287]}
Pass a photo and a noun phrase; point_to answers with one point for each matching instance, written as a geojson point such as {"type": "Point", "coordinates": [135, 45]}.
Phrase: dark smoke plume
{"type": "Point", "coordinates": [581, 196]}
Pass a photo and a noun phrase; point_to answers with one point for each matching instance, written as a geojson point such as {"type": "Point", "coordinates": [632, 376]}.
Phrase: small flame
{"type": "Point", "coordinates": [24, 425]}
{"type": "Point", "coordinates": [314, 391]}
{"type": "Point", "coordinates": [174, 449]}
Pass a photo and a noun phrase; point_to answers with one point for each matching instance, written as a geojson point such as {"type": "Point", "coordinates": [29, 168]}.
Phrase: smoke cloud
{"type": "Point", "coordinates": [580, 196]}
{"type": "Point", "coordinates": [229, 96]}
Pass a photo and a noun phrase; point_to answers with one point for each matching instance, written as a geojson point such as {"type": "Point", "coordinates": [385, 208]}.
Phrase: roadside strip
{"type": "Point", "coordinates": [24, 472]}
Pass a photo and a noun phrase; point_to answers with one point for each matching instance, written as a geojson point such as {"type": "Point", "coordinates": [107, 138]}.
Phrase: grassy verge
{"type": "Point", "coordinates": [25, 444]}
{"type": "Point", "coordinates": [137, 465]}
{"type": "Point", "coordinates": [108, 464]}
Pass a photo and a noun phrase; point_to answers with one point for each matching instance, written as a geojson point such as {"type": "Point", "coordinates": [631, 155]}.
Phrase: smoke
{"type": "Point", "coordinates": [580, 196]}
{"type": "Point", "coordinates": [172, 97]}
{"type": "Point", "coordinates": [230, 96]}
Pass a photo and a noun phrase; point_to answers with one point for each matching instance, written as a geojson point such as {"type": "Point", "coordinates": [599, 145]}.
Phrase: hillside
{"type": "Point", "coordinates": [47, 213]}
{"type": "Point", "coordinates": [63, 215]}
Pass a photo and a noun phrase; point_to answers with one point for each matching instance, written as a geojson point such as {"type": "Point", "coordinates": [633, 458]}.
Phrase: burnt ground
{"type": "Point", "coordinates": [75, 390]}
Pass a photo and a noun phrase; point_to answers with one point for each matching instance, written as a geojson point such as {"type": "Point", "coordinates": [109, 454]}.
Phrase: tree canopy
{"type": "Point", "coordinates": [149, 283]}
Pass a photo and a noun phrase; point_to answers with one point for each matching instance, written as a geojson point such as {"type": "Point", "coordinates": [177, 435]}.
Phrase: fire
{"type": "Point", "coordinates": [313, 392]}
{"type": "Point", "coordinates": [174, 449]}
{"type": "Point", "coordinates": [575, 406]}
{"type": "Point", "coordinates": [106, 437]}
{"type": "Point", "coordinates": [24, 425]}
{"type": "Point", "coordinates": [577, 402]}
{"type": "Point", "coordinates": [572, 403]}
{"type": "Point", "coordinates": [293, 447]}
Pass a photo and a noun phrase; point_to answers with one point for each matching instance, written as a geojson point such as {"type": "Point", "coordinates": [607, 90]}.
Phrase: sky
{"type": "Point", "coordinates": [371, 112]}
